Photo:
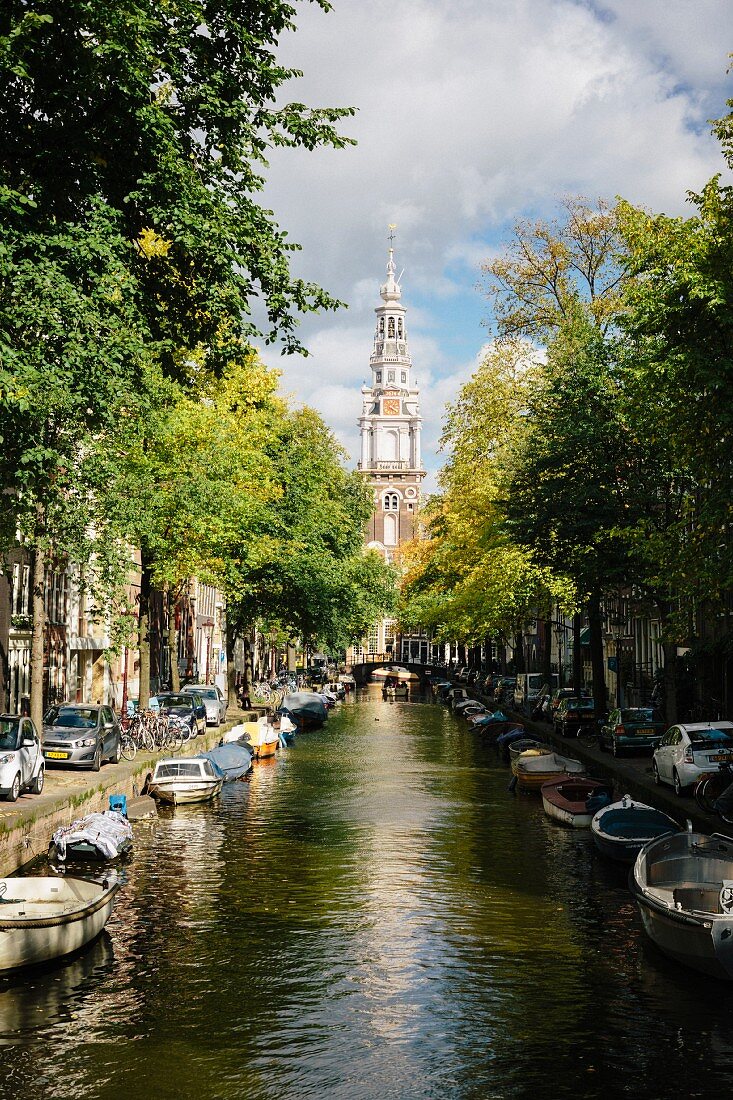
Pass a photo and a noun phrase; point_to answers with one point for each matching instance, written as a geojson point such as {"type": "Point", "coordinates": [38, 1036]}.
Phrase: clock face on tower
{"type": "Point", "coordinates": [391, 406]}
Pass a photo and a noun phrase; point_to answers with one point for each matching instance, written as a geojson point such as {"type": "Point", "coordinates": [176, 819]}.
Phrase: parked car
{"type": "Point", "coordinates": [214, 701]}
{"type": "Point", "coordinates": [186, 705]}
{"type": "Point", "coordinates": [686, 752]}
{"type": "Point", "coordinates": [559, 694]}
{"type": "Point", "coordinates": [629, 728]}
{"type": "Point", "coordinates": [529, 687]}
{"type": "Point", "coordinates": [83, 735]}
{"type": "Point", "coordinates": [574, 714]}
{"type": "Point", "coordinates": [21, 759]}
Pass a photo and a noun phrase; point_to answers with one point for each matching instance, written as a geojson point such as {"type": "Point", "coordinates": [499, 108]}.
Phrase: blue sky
{"type": "Point", "coordinates": [471, 114]}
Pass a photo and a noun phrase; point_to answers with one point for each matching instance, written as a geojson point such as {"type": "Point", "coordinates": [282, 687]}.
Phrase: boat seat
{"type": "Point", "coordinates": [704, 898]}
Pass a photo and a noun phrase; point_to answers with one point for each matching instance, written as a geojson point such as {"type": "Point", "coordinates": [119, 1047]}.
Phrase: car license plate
{"type": "Point", "coordinates": [718, 756]}
{"type": "Point", "coordinates": [56, 755]}
{"type": "Point", "coordinates": [644, 733]}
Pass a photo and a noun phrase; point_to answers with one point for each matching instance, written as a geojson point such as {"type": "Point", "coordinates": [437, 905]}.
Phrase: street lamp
{"type": "Point", "coordinates": [208, 626]}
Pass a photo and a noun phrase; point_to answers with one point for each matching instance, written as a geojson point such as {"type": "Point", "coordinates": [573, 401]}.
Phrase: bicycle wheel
{"type": "Point", "coordinates": [707, 791]}
{"type": "Point", "coordinates": [128, 748]}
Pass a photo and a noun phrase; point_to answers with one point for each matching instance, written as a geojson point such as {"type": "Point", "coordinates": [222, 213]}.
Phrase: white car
{"type": "Point", "coordinates": [688, 751]}
{"type": "Point", "coordinates": [214, 701]}
{"type": "Point", "coordinates": [21, 759]}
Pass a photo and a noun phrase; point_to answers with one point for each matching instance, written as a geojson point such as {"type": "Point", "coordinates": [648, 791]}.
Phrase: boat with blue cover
{"type": "Point", "coordinates": [305, 708]}
{"type": "Point", "coordinates": [621, 829]}
{"type": "Point", "coordinates": [232, 760]}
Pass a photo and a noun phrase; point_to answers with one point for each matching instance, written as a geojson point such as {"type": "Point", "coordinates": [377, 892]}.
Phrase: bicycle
{"type": "Point", "coordinates": [709, 789]}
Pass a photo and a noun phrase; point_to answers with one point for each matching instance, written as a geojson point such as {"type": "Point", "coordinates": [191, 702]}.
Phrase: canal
{"type": "Point", "coordinates": [373, 915]}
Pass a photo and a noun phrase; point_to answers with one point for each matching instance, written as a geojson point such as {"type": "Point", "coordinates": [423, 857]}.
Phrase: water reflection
{"type": "Point", "coordinates": [372, 916]}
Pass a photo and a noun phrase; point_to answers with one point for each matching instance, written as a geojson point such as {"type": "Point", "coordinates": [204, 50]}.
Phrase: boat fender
{"type": "Point", "coordinates": [282, 742]}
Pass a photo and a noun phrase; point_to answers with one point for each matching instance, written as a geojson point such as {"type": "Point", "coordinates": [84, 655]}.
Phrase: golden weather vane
{"type": "Point", "coordinates": [391, 234]}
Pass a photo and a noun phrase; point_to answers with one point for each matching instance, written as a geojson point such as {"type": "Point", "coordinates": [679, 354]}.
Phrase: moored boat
{"type": "Point", "coordinates": [44, 918]}
{"type": "Point", "coordinates": [99, 837]}
{"type": "Point", "coordinates": [192, 779]}
{"type": "Point", "coordinates": [232, 760]}
{"type": "Point", "coordinates": [621, 829]}
{"type": "Point", "coordinates": [683, 886]}
{"type": "Point", "coordinates": [262, 737]}
{"type": "Point", "coordinates": [573, 800]}
{"type": "Point", "coordinates": [525, 744]}
{"type": "Point", "coordinates": [533, 768]}
{"type": "Point", "coordinates": [305, 708]}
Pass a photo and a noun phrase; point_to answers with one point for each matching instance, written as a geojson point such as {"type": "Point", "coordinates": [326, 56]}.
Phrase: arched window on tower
{"type": "Point", "coordinates": [399, 327]}
{"type": "Point", "coordinates": [390, 529]}
{"type": "Point", "coordinates": [390, 328]}
{"type": "Point", "coordinates": [391, 502]}
{"type": "Point", "coordinates": [381, 326]}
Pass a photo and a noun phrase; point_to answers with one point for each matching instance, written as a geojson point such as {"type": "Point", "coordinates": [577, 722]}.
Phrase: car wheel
{"type": "Point", "coordinates": [679, 790]}
{"type": "Point", "coordinates": [602, 744]}
{"type": "Point", "coordinates": [37, 784]}
{"type": "Point", "coordinates": [97, 762]}
{"type": "Point", "coordinates": [14, 791]}
{"type": "Point", "coordinates": [655, 773]}
{"type": "Point", "coordinates": [117, 754]}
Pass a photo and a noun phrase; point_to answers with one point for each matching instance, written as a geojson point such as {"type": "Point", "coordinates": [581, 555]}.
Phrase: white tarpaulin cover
{"type": "Point", "coordinates": [108, 831]}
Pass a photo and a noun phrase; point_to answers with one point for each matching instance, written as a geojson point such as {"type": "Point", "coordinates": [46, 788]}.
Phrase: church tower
{"type": "Point", "coordinates": [390, 425]}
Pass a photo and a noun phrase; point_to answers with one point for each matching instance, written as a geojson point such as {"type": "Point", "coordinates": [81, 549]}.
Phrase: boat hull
{"type": "Point", "coordinates": [622, 829]}
{"type": "Point", "coordinates": [682, 884]}
{"type": "Point", "coordinates": [566, 800]}
{"type": "Point", "coordinates": [30, 942]}
{"type": "Point", "coordinates": [176, 794]}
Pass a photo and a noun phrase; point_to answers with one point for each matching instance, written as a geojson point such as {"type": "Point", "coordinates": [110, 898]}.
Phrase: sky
{"type": "Point", "coordinates": [472, 114]}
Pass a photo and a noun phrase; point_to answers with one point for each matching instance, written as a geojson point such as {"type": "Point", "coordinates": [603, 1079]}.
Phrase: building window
{"type": "Point", "coordinates": [391, 502]}
{"type": "Point", "coordinates": [390, 328]}
{"type": "Point", "coordinates": [390, 529]}
{"type": "Point", "coordinates": [381, 326]}
{"type": "Point", "coordinates": [390, 376]}
{"type": "Point", "coordinates": [403, 376]}
{"type": "Point", "coordinates": [379, 376]}
{"type": "Point", "coordinates": [399, 327]}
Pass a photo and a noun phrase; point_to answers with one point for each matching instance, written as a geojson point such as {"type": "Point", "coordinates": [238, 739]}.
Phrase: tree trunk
{"type": "Point", "coordinates": [596, 653]}
{"type": "Point", "coordinates": [519, 663]}
{"type": "Point", "coordinates": [173, 641]}
{"type": "Point", "coordinates": [577, 656]}
{"type": "Point", "coordinates": [546, 668]}
{"type": "Point", "coordinates": [38, 636]}
{"type": "Point", "coordinates": [144, 632]}
{"type": "Point", "coordinates": [231, 642]}
{"type": "Point", "coordinates": [670, 682]}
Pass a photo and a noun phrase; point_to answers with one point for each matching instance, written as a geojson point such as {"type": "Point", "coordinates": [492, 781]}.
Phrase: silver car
{"type": "Point", "coordinates": [214, 701]}
{"type": "Point", "coordinates": [688, 751]}
{"type": "Point", "coordinates": [81, 734]}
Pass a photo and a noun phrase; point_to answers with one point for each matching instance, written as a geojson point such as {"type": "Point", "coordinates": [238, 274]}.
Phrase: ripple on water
{"type": "Point", "coordinates": [372, 916]}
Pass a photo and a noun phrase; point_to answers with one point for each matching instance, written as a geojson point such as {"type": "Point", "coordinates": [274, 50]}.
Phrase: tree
{"type": "Point", "coordinates": [63, 296]}
{"type": "Point", "coordinates": [308, 573]}
{"type": "Point", "coordinates": [166, 113]}
{"type": "Point", "coordinates": [469, 579]}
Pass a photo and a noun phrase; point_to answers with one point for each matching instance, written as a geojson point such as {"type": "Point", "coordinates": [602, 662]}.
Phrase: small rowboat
{"type": "Point", "coordinates": [526, 744]}
{"type": "Point", "coordinates": [622, 829]}
{"type": "Point", "coordinates": [683, 886]}
{"type": "Point", "coordinates": [533, 768]}
{"type": "Point", "coordinates": [193, 779]}
{"type": "Point", "coordinates": [45, 918]}
{"type": "Point", "coordinates": [573, 800]}
{"type": "Point", "coordinates": [262, 737]}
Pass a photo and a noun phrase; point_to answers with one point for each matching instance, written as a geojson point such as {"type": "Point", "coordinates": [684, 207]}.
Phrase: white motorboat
{"type": "Point", "coordinates": [44, 918]}
{"type": "Point", "coordinates": [683, 886]}
{"type": "Point", "coordinates": [193, 779]}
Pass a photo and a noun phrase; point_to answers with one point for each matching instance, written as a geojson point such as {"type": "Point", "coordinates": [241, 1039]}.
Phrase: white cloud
{"type": "Point", "coordinates": [471, 114]}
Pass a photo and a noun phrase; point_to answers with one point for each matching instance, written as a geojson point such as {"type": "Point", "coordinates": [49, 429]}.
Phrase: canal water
{"type": "Point", "coordinates": [373, 915]}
